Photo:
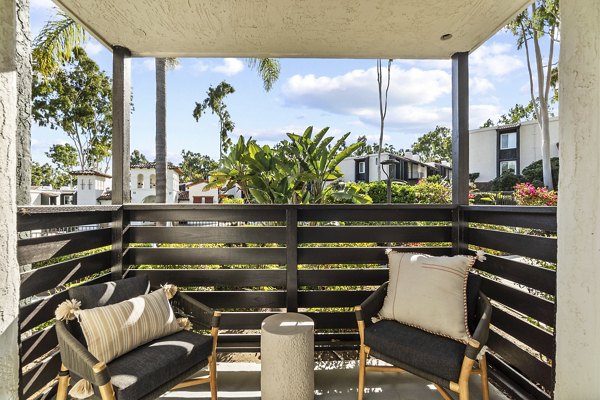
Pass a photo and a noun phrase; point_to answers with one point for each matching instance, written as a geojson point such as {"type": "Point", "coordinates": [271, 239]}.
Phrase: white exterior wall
{"type": "Point", "coordinates": [347, 167]}
{"type": "Point", "coordinates": [87, 195]}
{"type": "Point", "coordinates": [578, 275]}
{"type": "Point", "coordinates": [139, 194]}
{"type": "Point", "coordinates": [483, 145]}
{"type": "Point", "coordinates": [9, 270]}
{"type": "Point", "coordinates": [197, 190]}
{"type": "Point", "coordinates": [531, 141]}
{"type": "Point", "coordinates": [482, 153]}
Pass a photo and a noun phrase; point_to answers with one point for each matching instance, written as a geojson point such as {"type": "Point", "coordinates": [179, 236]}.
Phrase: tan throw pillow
{"type": "Point", "coordinates": [114, 330]}
{"type": "Point", "coordinates": [429, 293]}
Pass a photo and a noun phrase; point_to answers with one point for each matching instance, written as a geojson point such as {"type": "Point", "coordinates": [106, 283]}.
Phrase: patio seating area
{"type": "Point", "coordinates": [320, 260]}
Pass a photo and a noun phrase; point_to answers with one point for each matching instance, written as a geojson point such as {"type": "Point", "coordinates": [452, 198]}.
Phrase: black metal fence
{"type": "Point", "coordinates": [254, 260]}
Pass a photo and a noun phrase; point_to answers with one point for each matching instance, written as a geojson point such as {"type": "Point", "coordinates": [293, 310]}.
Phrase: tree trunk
{"type": "Point", "coordinates": [23, 103]}
{"type": "Point", "coordinates": [161, 131]}
{"type": "Point", "coordinates": [9, 271]}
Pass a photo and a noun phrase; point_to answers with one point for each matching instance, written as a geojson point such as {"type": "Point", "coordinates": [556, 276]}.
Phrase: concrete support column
{"type": "Point", "coordinates": [9, 267]}
{"type": "Point", "coordinates": [578, 285]}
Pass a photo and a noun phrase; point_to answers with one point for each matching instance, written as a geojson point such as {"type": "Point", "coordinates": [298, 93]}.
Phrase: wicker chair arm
{"type": "Point", "coordinates": [371, 306]}
{"type": "Point", "coordinates": [77, 359]}
{"type": "Point", "coordinates": [200, 314]}
{"type": "Point", "coordinates": [480, 336]}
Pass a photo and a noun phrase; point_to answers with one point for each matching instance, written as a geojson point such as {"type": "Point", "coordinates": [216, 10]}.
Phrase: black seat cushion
{"type": "Point", "coordinates": [103, 294]}
{"type": "Point", "coordinates": [416, 350]}
{"type": "Point", "coordinates": [154, 364]}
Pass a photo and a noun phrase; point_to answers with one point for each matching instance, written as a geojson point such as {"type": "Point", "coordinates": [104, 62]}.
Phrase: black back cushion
{"type": "Point", "coordinates": [103, 294]}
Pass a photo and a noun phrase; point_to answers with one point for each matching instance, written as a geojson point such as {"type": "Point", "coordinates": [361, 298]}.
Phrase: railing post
{"type": "Point", "coordinates": [460, 148]}
{"type": "Point", "coordinates": [291, 240]}
{"type": "Point", "coordinates": [119, 225]}
{"type": "Point", "coordinates": [121, 100]}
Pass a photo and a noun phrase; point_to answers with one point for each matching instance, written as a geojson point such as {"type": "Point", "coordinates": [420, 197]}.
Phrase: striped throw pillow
{"type": "Point", "coordinates": [429, 293]}
{"type": "Point", "coordinates": [116, 329]}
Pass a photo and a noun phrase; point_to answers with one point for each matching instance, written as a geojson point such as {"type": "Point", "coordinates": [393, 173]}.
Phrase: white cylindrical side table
{"type": "Point", "coordinates": [287, 357]}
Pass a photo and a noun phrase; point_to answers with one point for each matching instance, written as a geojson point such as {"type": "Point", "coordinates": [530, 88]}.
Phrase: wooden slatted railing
{"type": "Point", "coordinates": [58, 247]}
{"type": "Point", "coordinates": [520, 279]}
{"type": "Point", "coordinates": [290, 246]}
{"type": "Point", "coordinates": [254, 260]}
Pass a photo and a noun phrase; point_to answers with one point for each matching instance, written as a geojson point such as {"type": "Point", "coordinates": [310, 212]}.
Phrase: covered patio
{"type": "Point", "coordinates": [539, 347]}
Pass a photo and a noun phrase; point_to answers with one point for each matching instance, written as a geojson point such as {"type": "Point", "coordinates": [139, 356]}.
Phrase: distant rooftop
{"type": "Point", "coordinates": [152, 165]}
{"type": "Point", "coordinates": [90, 172]}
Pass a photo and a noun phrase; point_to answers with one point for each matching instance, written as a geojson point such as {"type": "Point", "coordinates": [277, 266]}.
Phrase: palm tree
{"type": "Point", "coordinates": [268, 69]}
{"type": "Point", "coordinates": [214, 102]}
{"type": "Point", "coordinates": [54, 44]}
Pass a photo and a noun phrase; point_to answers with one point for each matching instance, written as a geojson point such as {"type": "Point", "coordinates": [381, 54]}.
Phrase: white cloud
{"type": "Point", "coordinates": [495, 60]}
{"type": "Point", "coordinates": [42, 4]}
{"type": "Point", "coordinates": [355, 91]}
{"type": "Point", "coordinates": [479, 113]}
{"type": "Point", "coordinates": [199, 67]}
{"type": "Point", "coordinates": [479, 85]}
{"type": "Point", "coordinates": [230, 67]}
{"type": "Point", "coordinates": [92, 47]}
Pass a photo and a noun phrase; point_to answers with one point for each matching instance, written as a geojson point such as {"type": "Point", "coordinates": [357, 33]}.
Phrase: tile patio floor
{"type": "Point", "coordinates": [333, 381]}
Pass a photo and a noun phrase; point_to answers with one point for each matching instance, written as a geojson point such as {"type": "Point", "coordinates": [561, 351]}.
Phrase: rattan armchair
{"type": "Point", "coordinates": [149, 370]}
{"type": "Point", "coordinates": [446, 363]}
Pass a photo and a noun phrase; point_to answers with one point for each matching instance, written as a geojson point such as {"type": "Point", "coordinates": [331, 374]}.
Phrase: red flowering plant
{"type": "Point", "coordinates": [528, 195]}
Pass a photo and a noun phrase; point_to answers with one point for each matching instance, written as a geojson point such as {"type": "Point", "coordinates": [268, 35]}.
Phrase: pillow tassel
{"type": "Point", "coordinates": [184, 323]}
{"type": "Point", "coordinates": [81, 390]}
{"type": "Point", "coordinates": [170, 290]}
{"type": "Point", "coordinates": [67, 310]}
{"type": "Point", "coordinates": [480, 255]}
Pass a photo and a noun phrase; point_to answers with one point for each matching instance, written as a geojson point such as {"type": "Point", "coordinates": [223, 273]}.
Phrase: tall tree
{"type": "Point", "coordinates": [383, 102]}
{"type": "Point", "coordinates": [161, 131]}
{"type": "Point", "coordinates": [64, 157]}
{"type": "Point", "coordinates": [196, 166]}
{"type": "Point", "coordinates": [214, 102]}
{"type": "Point", "coordinates": [542, 19]}
{"type": "Point", "coordinates": [435, 145]}
{"type": "Point", "coordinates": [138, 157]}
{"type": "Point", "coordinates": [77, 99]}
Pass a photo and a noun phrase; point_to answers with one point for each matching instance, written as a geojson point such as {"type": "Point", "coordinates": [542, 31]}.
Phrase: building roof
{"type": "Point", "coordinates": [105, 196]}
{"type": "Point", "coordinates": [387, 29]}
{"type": "Point", "coordinates": [152, 165]}
{"type": "Point", "coordinates": [90, 172]}
{"type": "Point", "coordinates": [196, 183]}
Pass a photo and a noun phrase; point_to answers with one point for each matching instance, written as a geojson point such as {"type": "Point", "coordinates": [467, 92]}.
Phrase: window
{"type": "Point", "coordinates": [361, 167]}
{"type": "Point", "coordinates": [508, 166]}
{"type": "Point", "coordinates": [90, 184]}
{"type": "Point", "coordinates": [152, 181]}
{"type": "Point", "coordinates": [140, 181]}
{"type": "Point", "coordinates": [508, 140]}
{"type": "Point", "coordinates": [197, 199]}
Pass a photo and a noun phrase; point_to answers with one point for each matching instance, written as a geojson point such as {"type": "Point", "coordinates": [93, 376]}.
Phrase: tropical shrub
{"type": "Point", "coordinates": [533, 172]}
{"type": "Point", "coordinates": [433, 190]}
{"type": "Point", "coordinates": [401, 192]}
{"type": "Point", "coordinates": [298, 170]}
{"type": "Point", "coordinates": [506, 182]}
{"type": "Point", "coordinates": [528, 195]}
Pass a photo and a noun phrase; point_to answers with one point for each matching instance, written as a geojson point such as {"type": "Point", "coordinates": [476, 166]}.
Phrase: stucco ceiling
{"type": "Point", "coordinates": [293, 28]}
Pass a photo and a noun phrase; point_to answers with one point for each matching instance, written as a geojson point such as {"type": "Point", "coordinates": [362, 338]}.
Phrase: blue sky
{"type": "Point", "coordinates": [340, 94]}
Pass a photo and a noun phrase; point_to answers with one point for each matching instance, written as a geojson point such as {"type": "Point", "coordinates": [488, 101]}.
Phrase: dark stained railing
{"type": "Point", "coordinates": [253, 260]}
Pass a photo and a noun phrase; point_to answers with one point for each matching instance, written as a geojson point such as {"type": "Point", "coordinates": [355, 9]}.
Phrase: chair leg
{"type": "Point", "coordinates": [362, 363]}
{"type": "Point", "coordinates": [213, 377]}
{"type": "Point", "coordinates": [63, 383]}
{"type": "Point", "coordinates": [106, 391]}
{"type": "Point", "coordinates": [485, 388]}
{"type": "Point", "coordinates": [463, 380]}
